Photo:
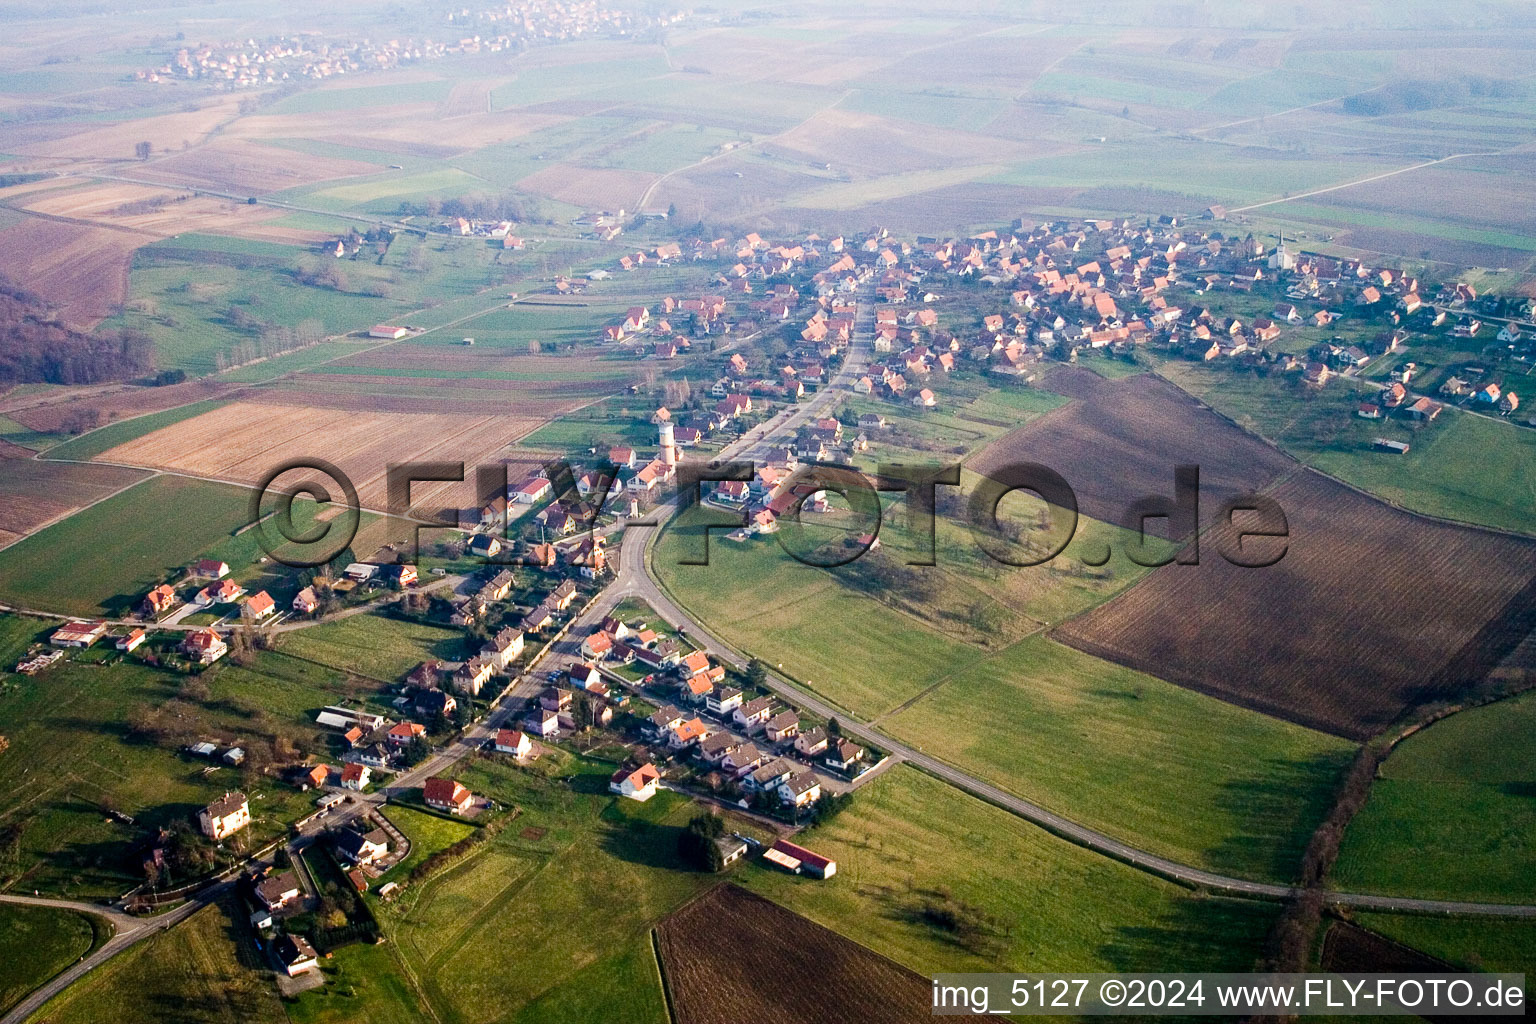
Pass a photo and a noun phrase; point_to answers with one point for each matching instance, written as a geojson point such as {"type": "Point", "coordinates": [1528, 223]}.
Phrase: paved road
{"type": "Point", "coordinates": [636, 578]}
{"type": "Point", "coordinates": [128, 931]}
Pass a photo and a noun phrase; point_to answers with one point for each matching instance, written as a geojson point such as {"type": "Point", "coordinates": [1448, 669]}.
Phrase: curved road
{"type": "Point", "coordinates": [635, 578]}
{"type": "Point", "coordinates": [127, 931]}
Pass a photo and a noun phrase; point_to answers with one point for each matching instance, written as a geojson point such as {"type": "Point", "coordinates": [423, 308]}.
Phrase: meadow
{"type": "Point", "coordinates": [86, 735]}
{"type": "Point", "coordinates": [1472, 943]}
{"type": "Point", "coordinates": [1167, 769]}
{"type": "Point", "coordinates": [374, 645]}
{"type": "Point", "coordinates": [207, 969]}
{"type": "Point", "coordinates": [37, 943]}
{"type": "Point", "coordinates": [1452, 812]}
{"type": "Point", "coordinates": [101, 561]}
{"type": "Point", "coordinates": [428, 834]}
{"type": "Point", "coordinates": [543, 887]}
{"type": "Point", "coordinates": [1037, 901]}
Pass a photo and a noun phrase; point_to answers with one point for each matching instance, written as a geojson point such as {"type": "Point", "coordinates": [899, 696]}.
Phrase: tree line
{"type": "Point", "coordinates": [37, 348]}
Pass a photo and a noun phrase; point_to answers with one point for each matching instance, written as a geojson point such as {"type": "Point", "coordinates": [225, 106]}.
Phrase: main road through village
{"type": "Point", "coordinates": [635, 577]}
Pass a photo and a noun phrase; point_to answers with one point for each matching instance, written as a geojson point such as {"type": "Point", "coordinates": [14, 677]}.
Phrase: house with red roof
{"type": "Point", "coordinates": [636, 784]}
{"type": "Point", "coordinates": [447, 795]}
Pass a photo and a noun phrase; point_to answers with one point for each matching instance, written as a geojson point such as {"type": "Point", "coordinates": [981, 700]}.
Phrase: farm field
{"type": "Point", "coordinates": [33, 493]}
{"type": "Point", "coordinates": [1466, 467]}
{"type": "Point", "coordinates": [222, 444]}
{"type": "Point", "coordinates": [1119, 441]}
{"type": "Point", "coordinates": [373, 645]}
{"type": "Point", "coordinates": [1035, 899]}
{"type": "Point", "coordinates": [90, 408]}
{"type": "Point", "coordinates": [102, 439]}
{"type": "Point", "coordinates": [37, 943]}
{"type": "Point", "coordinates": [1450, 814]}
{"type": "Point", "coordinates": [207, 968]}
{"type": "Point", "coordinates": [755, 945]}
{"type": "Point", "coordinates": [1350, 658]}
{"type": "Point", "coordinates": [1164, 768]}
{"type": "Point", "coordinates": [93, 564]}
{"type": "Point", "coordinates": [238, 165]}
{"type": "Point", "coordinates": [80, 270]}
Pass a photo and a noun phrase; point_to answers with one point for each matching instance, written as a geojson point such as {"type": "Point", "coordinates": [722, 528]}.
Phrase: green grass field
{"type": "Point", "coordinates": [1056, 906]}
{"type": "Point", "coordinates": [428, 834]}
{"type": "Point", "coordinates": [37, 943]}
{"type": "Point", "coordinates": [1170, 770]}
{"type": "Point", "coordinates": [184, 292]}
{"type": "Point", "coordinates": [374, 645]}
{"type": "Point", "coordinates": [362, 982]}
{"type": "Point", "coordinates": [102, 560]}
{"type": "Point", "coordinates": [1467, 467]}
{"type": "Point", "coordinates": [541, 895]}
{"type": "Point", "coordinates": [206, 970]}
{"type": "Point", "coordinates": [1453, 812]}
{"type": "Point", "coordinates": [90, 445]}
{"type": "Point", "coordinates": [1474, 943]}
{"type": "Point", "coordinates": [76, 748]}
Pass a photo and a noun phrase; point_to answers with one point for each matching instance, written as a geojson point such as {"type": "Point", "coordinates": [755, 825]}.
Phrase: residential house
{"type": "Point", "coordinates": [636, 784]}
{"type": "Point", "coordinates": [812, 741]}
{"type": "Point", "coordinates": [225, 816]}
{"type": "Point", "coordinates": [754, 712]}
{"type": "Point", "coordinates": [844, 755]}
{"type": "Point", "coordinates": [131, 640]}
{"type": "Point", "coordinates": [259, 605]}
{"type": "Point", "coordinates": [543, 723]}
{"type": "Point", "coordinates": [403, 734]}
{"type": "Point", "coordinates": [686, 733]}
{"type": "Point", "coordinates": [355, 776]}
{"type": "Point", "coordinates": [296, 954]}
{"type": "Point", "coordinates": [503, 648]}
{"type": "Point", "coordinates": [158, 601]}
{"type": "Point", "coordinates": [783, 726]}
{"type": "Point", "coordinates": [305, 602]}
{"type": "Point", "coordinates": [472, 676]}
{"type": "Point", "coordinates": [277, 891]}
{"type": "Point", "coordinates": [514, 742]}
{"type": "Point", "coordinates": [723, 701]}
{"type": "Point", "coordinates": [447, 795]}
{"type": "Point", "coordinates": [362, 848]}
{"type": "Point", "coordinates": [204, 646]}
{"type": "Point", "coordinates": [771, 774]}
{"type": "Point", "coordinates": [800, 790]}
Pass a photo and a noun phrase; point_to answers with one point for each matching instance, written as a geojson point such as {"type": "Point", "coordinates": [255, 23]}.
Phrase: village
{"type": "Point", "coordinates": [508, 28]}
{"type": "Point", "coordinates": [544, 671]}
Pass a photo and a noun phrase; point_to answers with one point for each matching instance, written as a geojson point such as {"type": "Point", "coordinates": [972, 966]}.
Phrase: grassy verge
{"type": "Point", "coordinates": [1452, 812]}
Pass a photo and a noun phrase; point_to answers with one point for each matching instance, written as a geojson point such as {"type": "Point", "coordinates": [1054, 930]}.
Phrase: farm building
{"type": "Point", "coordinates": [795, 858]}
{"type": "Point", "coordinates": [390, 331]}
{"type": "Point", "coordinates": [78, 634]}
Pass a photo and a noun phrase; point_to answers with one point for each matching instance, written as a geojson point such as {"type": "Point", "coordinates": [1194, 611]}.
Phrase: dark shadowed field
{"type": "Point", "coordinates": [730, 957]}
